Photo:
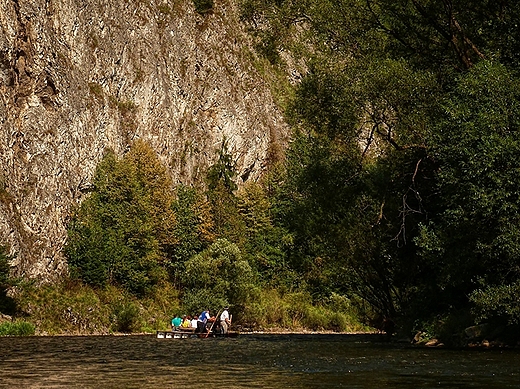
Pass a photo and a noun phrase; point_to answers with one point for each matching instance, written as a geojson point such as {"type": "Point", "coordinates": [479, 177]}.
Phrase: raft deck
{"type": "Point", "coordinates": [190, 333]}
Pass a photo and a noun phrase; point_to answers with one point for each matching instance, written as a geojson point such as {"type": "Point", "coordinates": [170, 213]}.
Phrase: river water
{"type": "Point", "coordinates": [249, 361]}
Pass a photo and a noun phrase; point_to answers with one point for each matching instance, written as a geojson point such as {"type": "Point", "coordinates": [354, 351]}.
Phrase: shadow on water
{"type": "Point", "coordinates": [249, 361]}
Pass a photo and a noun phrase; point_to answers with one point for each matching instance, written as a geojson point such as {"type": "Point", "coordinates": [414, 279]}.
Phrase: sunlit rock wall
{"type": "Point", "coordinates": [77, 76]}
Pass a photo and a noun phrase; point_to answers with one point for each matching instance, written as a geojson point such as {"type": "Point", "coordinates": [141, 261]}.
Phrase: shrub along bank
{"type": "Point", "coordinates": [70, 308]}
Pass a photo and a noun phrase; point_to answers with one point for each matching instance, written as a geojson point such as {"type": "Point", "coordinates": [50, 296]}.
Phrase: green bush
{"type": "Point", "coordinates": [315, 318]}
{"type": "Point", "coordinates": [296, 311]}
{"type": "Point", "coordinates": [339, 322]}
{"type": "Point", "coordinates": [126, 317]}
{"type": "Point", "coordinates": [297, 305]}
{"type": "Point", "coordinates": [266, 309]}
{"type": "Point", "coordinates": [450, 327]}
{"type": "Point", "coordinates": [65, 308]}
{"type": "Point", "coordinates": [345, 314]}
{"type": "Point", "coordinates": [195, 301]}
{"type": "Point", "coordinates": [218, 276]}
{"type": "Point", "coordinates": [158, 306]}
{"type": "Point", "coordinates": [74, 308]}
{"type": "Point", "coordinates": [17, 328]}
{"type": "Point", "coordinates": [497, 302]}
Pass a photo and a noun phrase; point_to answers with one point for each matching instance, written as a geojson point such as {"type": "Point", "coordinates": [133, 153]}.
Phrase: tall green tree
{"type": "Point", "coordinates": [221, 187]}
{"type": "Point", "coordinates": [121, 233]}
{"type": "Point", "coordinates": [194, 227]}
{"type": "Point", "coordinates": [474, 238]}
{"type": "Point", "coordinates": [266, 243]}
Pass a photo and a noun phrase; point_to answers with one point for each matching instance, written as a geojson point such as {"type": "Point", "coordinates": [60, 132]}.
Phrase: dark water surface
{"type": "Point", "coordinates": [250, 361]}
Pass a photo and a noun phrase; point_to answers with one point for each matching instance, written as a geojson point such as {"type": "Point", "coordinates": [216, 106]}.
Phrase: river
{"type": "Point", "coordinates": [249, 361]}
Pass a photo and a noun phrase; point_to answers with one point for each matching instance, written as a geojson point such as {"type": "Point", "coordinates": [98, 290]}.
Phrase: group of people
{"type": "Point", "coordinates": [203, 323]}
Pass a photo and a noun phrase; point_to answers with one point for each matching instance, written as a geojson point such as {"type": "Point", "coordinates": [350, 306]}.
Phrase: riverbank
{"type": "Point", "coordinates": [71, 308]}
{"type": "Point", "coordinates": [8, 327]}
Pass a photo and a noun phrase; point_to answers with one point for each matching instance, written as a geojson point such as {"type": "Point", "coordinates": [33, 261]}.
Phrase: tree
{"type": "Point", "coordinates": [221, 189]}
{"type": "Point", "coordinates": [474, 241]}
{"type": "Point", "coordinates": [217, 277]}
{"type": "Point", "coordinates": [121, 233]}
{"type": "Point", "coordinates": [401, 172]}
{"type": "Point", "coordinates": [194, 227]}
{"type": "Point", "coordinates": [266, 243]}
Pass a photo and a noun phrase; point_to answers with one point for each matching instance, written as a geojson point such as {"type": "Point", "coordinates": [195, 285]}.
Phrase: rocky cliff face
{"type": "Point", "coordinates": [77, 76]}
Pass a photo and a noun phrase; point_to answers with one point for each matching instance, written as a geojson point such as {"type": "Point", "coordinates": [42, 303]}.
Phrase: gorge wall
{"type": "Point", "coordinates": [78, 76]}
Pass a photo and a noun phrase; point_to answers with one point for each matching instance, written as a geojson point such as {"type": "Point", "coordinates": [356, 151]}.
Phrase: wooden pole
{"type": "Point", "coordinates": [212, 324]}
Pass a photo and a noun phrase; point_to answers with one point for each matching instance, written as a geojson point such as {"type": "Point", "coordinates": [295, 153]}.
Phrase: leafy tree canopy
{"type": "Point", "coordinates": [217, 277]}
{"type": "Point", "coordinates": [121, 233]}
{"type": "Point", "coordinates": [401, 176]}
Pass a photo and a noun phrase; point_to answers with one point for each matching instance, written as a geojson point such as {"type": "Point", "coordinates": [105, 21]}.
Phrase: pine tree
{"type": "Point", "coordinates": [122, 232]}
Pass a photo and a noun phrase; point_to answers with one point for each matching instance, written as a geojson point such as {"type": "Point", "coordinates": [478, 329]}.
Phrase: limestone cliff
{"type": "Point", "coordinates": [77, 76]}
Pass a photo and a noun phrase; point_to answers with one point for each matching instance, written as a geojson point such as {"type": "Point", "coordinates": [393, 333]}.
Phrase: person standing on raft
{"type": "Point", "coordinates": [225, 321]}
{"type": "Point", "coordinates": [202, 320]}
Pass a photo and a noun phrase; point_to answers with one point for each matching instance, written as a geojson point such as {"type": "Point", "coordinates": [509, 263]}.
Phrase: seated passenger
{"type": "Point", "coordinates": [176, 323]}
{"type": "Point", "coordinates": [186, 322]}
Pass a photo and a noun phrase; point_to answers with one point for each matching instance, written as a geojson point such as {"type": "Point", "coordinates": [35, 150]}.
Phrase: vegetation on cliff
{"type": "Point", "coordinates": [140, 251]}
{"type": "Point", "coordinates": [7, 304]}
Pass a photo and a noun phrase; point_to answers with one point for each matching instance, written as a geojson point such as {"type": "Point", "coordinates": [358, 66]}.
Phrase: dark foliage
{"type": "Point", "coordinates": [7, 304]}
{"type": "Point", "coordinates": [401, 177]}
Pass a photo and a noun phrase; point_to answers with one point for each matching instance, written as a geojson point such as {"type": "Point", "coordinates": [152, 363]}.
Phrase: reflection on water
{"type": "Point", "coordinates": [250, 361]}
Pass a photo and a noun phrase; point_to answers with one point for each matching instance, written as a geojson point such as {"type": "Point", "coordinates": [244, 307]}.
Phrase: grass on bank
{"type": "Point", "coordinates": [17, 328]}
{"type": "Point", "coordinates": [71, 308]}
{"type": "Point", "coordinates": [295, 311]}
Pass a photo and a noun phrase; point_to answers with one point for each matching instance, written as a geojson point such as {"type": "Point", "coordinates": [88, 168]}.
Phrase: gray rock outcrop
{"type": "Point", "coordinates": [78, 76]}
